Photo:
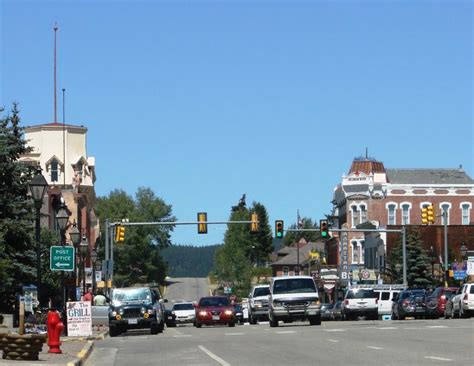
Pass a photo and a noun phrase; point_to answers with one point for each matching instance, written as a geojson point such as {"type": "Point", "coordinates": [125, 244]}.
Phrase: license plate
{"type": "Point", "coordinates": [215, 317]}
{"type": "Point", "coordinates": [132, 321]}
{"type": "Point", "coordinates": [420, 310]}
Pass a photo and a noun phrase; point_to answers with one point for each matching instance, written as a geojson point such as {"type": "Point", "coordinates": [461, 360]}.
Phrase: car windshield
{"type": "Point", "coordinates": [183, 306]}
{"type": "Point", "coordinates": [361, 294]}
{"type": "Point", "coordinates": [214, 301]}
{"type": "Point", "coordinates": [261, 291]}
{"type": "Point", "coordinates": [120, 296]}
{"type": "Point", "coordinates": [294, 285]}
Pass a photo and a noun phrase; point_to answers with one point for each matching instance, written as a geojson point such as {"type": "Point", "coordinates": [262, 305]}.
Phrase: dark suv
{"type": "Point", "coordinates": [436, 302]}
{"type": "Point", "coordinates": [135, 308]}
{"type": "Point", "coordinates": [410, 302]}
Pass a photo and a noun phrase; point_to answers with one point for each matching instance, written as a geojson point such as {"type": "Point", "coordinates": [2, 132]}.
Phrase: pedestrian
{"type": "Point", "coordinates": [88, 296]}
{"type": "Point", "coordinates": [99, 299]}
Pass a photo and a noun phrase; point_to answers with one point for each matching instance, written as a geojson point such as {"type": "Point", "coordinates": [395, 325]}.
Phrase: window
{"type": "Point", "coordinates": [355, 216]}
{"type": "Point", "coordinates": [285, 271]}
{"type": "Point", "coordinates": [391, 213]}
{"type": "Point", "coordinates": [465, 213]}
{"type": "Point", "coordinates": [363, 214]}
{"type": "Point", "coordinates": [405, 213]}
{"type": "Point", "coordinates": [362, 252]}
{"type": "Point", "coordinates": [296, 271]}
{"type": "Point", "coordinates": [445, 207]}
{"type": "Point", "coordinates": [54, 171]}
{"type": "Point", "coordinates": [355, 252]}
{"type": "Point", "coordinates": [79, 168]}
{"type": "Point", "coordinates": [385, 295]}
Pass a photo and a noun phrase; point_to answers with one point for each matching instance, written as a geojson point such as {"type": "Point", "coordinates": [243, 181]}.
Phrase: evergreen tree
{"type": "Point", "coordinates": [418, 262]}
{"type": "Point", "coordinates": [295, 236]}
{"type": "Point", "coordinates": [263, 238]}
{"type": "Point", "coordinates": [17, 252]}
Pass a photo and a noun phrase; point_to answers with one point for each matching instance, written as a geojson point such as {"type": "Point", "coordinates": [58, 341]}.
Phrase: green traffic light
{"type": "Point", "coordinates": [324, 234]}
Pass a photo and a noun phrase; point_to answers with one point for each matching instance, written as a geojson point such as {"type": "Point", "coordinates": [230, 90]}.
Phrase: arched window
{"type": "Point", "coordinates": [54, 170]}
{"type": "Point", "coordinates": [362, 251]}
{"type": "Point", "coordinates": [445, 207]}
{"type": "Point", "coordinates": [466, 213]}
{"type": "Point", "coordinates": [363, 213]}
{"type": "Point", "coordinates": [354, 215]}
{"type": "Point", "coordinates": [391, 208]}
{"type": "Point", "coordinates": [355, 251]}
{"type": "Point", "coordinates": [285, 270]}
{"type": "Point", "coordinates": [405, 213]}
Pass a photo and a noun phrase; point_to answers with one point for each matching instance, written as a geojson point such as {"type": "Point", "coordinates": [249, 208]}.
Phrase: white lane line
{"type": "Point", "coordinates": [182, 335]}
{"type": "Point", "coordinates": [438, 358]}
{"type": "Point", "coordinates": [213, 356]}
{"type": "Point", "coordinates": [373, 347]}
{"type": "Point", "coordinates": [286, 332]}
{"type": "Point", "coordinates": [383, 328]}
{"type": "Point", "coordinates": [334, 330]}
{"type": "Point", "coordinates": [333, 340]}
{"type": "Point", "coordinates": [234, 334]}
{"type": "Point", "coordinates": [435, 326]}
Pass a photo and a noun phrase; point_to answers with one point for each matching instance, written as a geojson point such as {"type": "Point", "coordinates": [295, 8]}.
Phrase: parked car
{"type": "Point", "coordinates": [170, 318]}
{"type": "Point", "coordinates": [463, 301]}
{"type": "Point", "coordinates": [135, 308]}
{"type": "Point", "coordinates": [214, 310]}
{"type": "Point", "coordinates": [326, 311]}
{"type": "Point", "coordinates": [184, 312]}
{"type": "Point", "coordinates": [258, 303]}
{"type": "Point", "coordinates": [386, 294]}
{"type": "Point", "coordinates": [337, 310]}
{"type": "Point", "coordinates": [410, 302]}
{"type": "Point", "coordinates": [448, 308]}
{"type": "Point", "coordinates": [436, 301]}
{"type": "Point", "coordinates": [294, 297]}
{"type": "Point", "coordinates": [239, 313]}
{"type": "Point", "coordinates": [360, 302]}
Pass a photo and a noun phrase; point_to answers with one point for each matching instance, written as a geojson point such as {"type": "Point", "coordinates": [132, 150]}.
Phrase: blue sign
{"type": "Point", "coordinates": [460, 275]}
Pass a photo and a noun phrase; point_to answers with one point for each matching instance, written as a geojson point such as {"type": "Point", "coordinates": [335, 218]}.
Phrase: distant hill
{"type": "Point", "coordinates": [188, 260]}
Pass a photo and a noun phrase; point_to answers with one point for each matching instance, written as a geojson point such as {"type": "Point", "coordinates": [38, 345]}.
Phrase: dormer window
{"type": "Point", "coordinates": [79, 168]}
{"type": "Point", "coordinates": [54, 171]}
{"type": "Point", "coordinates": [54, 168]}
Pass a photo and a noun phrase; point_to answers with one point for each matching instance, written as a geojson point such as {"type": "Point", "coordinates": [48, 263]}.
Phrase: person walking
{"type": "Point", "coordinates": [99, 299]}
{"type": "Point", "coordinates": [88, 295]}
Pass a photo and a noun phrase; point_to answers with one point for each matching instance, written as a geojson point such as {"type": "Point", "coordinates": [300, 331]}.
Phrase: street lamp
{"type": "Point", "coordinates": [63, 217]}
{"type": "Point", "coordinates": [93, 259]}
{"type": "Point", "coordinates": [432, 255]}
{"type": "Point", "coordinates": [75, 236]}
{"type": "Point", "coordinates": [84, 248]}
{"type": "Point", "coordinates": [38, 187]}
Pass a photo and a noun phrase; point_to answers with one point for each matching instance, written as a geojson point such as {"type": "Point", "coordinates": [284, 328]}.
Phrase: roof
{"type": "Point", "coordinates": [367, 166]}
{"type": "Point", "coordinates": [428, 176]}
{"type": "Point", "coordinates": [292, 257]}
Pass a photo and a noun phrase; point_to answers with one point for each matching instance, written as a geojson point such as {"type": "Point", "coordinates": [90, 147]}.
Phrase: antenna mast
{"type": "Point", "coordinates": [55, 96]}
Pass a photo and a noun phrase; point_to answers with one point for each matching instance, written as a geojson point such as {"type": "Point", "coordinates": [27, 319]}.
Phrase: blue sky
{"type": "Point", "coordinates": [206, 100]}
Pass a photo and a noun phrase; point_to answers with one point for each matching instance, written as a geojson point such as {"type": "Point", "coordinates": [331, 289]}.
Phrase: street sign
{"type": "Point", "coordinates": [61, 258]}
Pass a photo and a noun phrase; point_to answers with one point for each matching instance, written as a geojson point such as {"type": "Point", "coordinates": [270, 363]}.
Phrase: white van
{"type": "Point", "coordinates": [386, 294]}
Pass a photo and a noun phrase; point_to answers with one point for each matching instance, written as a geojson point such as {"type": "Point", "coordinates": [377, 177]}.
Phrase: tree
{"type": "Point", "coordinates": [418, 262]}
{"type": "Point", "coordinates": [262, 239]}
{"type": "Point", "coordinates": [138, 259]}
{"type": "Point", "coordinates": [17, 254]}
{"type": "Point", "coordinates": [295, 236]}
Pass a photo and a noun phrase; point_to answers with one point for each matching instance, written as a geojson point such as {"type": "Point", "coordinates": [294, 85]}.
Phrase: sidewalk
{"type": "Point", "coordinates": [75, 351]}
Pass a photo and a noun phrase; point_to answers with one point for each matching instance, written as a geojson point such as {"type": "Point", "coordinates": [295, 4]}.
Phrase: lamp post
{"type": "Point", "coordinates": [75, 236]}
{"type": "Point", "coordinates": [63, 217]}
{"type": "Point", "coordinates": [432, 256]}
{"type": "Point", "coordinates": [84, 248]}
{"type": "Point", "coordinates": [38, 187]}
{"type": "Point", "coordinates": [93, 259]}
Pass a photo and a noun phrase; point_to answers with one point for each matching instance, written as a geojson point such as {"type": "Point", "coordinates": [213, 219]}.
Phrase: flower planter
{"type": "Point", "coordinates": [21, 347]}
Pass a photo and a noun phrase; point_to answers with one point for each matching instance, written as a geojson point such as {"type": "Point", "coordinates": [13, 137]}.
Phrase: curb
{"type": "Point", "coordinates": [82, 354]}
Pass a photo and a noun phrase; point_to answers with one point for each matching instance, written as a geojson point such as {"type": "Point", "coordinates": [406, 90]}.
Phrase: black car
{"type": "Point", "coordinates": [410, 302]}
{"type": "Point", "coordinates": [135, 308]}
{"type": "Point", "coordinates": [170, 318]}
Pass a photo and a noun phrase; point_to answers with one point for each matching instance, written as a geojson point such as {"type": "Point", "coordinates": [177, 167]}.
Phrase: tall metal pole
{"type": "Point", "coordinates": [445, 218]}
{"type": "Point", "coordinates": [404, 249]}
{"type": "Point", "coordinates": [38, 250]}
{"type": "Point", "coordinates": [106, 256]}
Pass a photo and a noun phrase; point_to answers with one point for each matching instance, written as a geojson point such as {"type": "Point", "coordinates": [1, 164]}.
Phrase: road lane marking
{"type": "Point", "coordinates": [373, 347]}
{"type": "Point", "coordinates": [383, 328]}
{"type": "Point", "coordinates": [234, 334]}
{"type": "Point", "coordinates": [438, 358]}
{"type": "Point", "coordinates": [334, 330]}
{"type": "Point", "coordinates": [435, 326]}
{"type": "Point", "coordinates": [333, 340]}
{"type": "Point", "coordinates": [286, 332]}
{"type": "Point", "coordinates": [213, 356]}
{"type": "Point", "coordinates": [182, 335]}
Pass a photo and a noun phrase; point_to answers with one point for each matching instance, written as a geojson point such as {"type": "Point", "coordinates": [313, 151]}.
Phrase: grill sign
{"type": "Point", "coordinates": [79, 319]}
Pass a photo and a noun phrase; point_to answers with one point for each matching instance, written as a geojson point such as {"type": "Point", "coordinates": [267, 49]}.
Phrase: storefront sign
{"type": "Point", "coordinates": [344, 258]}
{"type": "Point", "coordinates": [79, 318]}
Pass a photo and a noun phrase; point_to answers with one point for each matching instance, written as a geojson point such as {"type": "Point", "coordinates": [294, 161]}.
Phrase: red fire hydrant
{"type": "Point", "coordinates": [55, 328]}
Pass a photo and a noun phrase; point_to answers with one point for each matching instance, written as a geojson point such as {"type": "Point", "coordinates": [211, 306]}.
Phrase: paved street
{"type": "Point", "coordinates": [409, 342]}
{"type": "Point", "coordinates": [187, 288]}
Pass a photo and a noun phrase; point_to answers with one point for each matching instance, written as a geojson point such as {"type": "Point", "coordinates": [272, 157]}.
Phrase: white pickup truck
{"type": "Point", "coordinates": [294, 298]}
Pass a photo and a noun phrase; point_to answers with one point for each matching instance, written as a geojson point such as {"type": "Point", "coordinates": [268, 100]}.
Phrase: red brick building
{"type": "Point", "coordinates": [371, 195]}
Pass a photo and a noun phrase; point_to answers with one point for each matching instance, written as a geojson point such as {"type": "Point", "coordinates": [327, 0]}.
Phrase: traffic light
{"type": "Point", "coordinates": [202, 222]}
{"type": "Point", "coordinates": [279, 229]}
{"type": "Point", "coordinates": [424, 215]}
{"type": "Point", "coordinates": [119, 234]}
{"type": "Point", "coordinates": [323, 229]}
{"type": "Point", "coordinates": [431, 214]}
{"type": "Point", "coordinates": [254, 224]}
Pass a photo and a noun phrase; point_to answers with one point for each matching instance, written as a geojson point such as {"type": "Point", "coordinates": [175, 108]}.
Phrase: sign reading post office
{"type": "Point", "coordinates": [61, 258]}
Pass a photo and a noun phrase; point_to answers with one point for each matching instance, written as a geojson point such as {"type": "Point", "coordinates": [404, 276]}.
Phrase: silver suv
{"type": "Point", "coordinates": [294, 298]}
{"type": "Point", "coordinates": [258, 303]}
{"type": "Point", "coordinates": [360, 302]}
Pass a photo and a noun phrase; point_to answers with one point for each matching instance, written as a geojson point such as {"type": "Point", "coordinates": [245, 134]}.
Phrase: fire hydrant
{"type": "Point", "coordinates": [55, 328]}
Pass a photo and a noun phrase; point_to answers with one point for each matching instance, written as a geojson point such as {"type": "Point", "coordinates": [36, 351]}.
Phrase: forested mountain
{"type": "Point", "coordinates": [188, 260]}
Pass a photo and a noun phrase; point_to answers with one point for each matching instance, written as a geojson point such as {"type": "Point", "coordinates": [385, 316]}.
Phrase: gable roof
{"type": "Point", "coordinates": [292, 257]}
{"type": "Point", "coordinates": [428, 176]}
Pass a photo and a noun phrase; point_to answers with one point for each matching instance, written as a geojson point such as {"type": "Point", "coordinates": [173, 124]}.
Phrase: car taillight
{"type": "Point", "coordinates": [465, 296]}
{"type": "Point", "coordinates": [405, 302]}
{"type": "Point", "coordinates": [442, 297]}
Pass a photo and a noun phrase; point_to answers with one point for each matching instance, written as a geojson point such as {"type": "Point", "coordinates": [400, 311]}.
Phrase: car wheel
{"type": "Point", "coordinates": [461, 312]}
{"type": "Point", "coordinates": [161, 327]}
{"type": "Point", "coordinates": [273, 322]}
{"type": "Point", "coordinates": [113, 331]}
{"type": "Point", "coordinates": [197, 325]}
{"type": "Point", "coordinates": [446, 316]}
{"type": "Point", "coordinates": [252, 319]}
{"type": "Point", "coordinates": [154, 328]}
{"type": "Point", "coordinates": [315, 320]}
{"type": "Point", "coordinates": [232, 324]}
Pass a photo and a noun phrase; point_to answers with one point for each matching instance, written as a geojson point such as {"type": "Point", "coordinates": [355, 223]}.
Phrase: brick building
{"type": "Point", "coordinates": [372, 196]}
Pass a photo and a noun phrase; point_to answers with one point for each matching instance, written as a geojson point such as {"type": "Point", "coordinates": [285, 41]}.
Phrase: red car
{"type": "Point", "coordinates": [436, 302]}
{"type": "Point", "coordinates": [214, 310]}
